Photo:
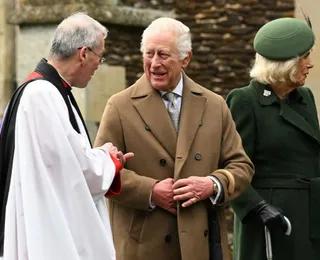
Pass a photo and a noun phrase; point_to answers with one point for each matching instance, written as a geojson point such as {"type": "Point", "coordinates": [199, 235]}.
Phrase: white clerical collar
{"type": "Point", "coordinates": [177, 90]}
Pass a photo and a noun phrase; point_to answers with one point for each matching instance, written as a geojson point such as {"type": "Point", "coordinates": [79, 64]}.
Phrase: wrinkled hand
{"type": "Point", "coordinates": [271, 217]}
{"type": "Point", "coordinates": [162, 195]}
{"type": "Point", "coordinates": [109, 147]}
{"type": "Point", "coordinates": [192, 189]}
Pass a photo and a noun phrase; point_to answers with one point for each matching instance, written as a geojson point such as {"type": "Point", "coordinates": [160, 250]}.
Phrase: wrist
{"type": "Point", "coordinates": [214, 187]}
{"type": "Point", "coordinates": [217, 190]}
{"type": "Point", "coordinates": [153, 195]}
{"type": "Point", "coordinates": [152, 206]}
{"type": "Point", "coordinates": [260, 207]}
{"type": "Point", "coordinates": [117, 163]}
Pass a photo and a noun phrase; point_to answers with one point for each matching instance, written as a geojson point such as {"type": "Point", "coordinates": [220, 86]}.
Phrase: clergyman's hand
{"type": "Point", "coordinates": [162, 195]}
{"type": "Point", "coordinates": [124, 157]}
{"type": "Point", "coordinates": [110, 148]}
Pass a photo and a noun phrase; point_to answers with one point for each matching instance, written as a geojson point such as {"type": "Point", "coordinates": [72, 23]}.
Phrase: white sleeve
{"type": "Point", "coordinates": [56, 142]}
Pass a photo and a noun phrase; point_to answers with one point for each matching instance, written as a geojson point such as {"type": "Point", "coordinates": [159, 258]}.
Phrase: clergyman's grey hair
{"type": "Point", "coordinates": [76, 31]}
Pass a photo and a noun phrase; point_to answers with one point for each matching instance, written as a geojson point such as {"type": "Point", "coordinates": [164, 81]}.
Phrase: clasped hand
{"type": "Point", "coordinates": [167, 193]}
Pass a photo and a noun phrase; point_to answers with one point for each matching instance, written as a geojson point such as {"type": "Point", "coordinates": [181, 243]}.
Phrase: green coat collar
{"type": "Point", "coordinates": [267, 97]}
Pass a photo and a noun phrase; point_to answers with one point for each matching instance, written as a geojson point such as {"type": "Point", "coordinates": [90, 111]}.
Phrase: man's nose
{"type": "Point", "coordinates": [155, 61]}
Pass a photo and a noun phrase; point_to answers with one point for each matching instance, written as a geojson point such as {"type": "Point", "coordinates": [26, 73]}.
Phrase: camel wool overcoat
{"type": "Point", "coordinates": [207, 143]}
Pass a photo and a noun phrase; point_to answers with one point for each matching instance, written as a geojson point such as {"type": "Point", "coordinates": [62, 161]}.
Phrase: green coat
{"type": "Point", "coordinates": [282, 139]}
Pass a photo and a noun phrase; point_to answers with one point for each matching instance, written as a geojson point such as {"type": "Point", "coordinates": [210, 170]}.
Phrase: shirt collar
{"type": "Point", "coordinates": [177, 90]}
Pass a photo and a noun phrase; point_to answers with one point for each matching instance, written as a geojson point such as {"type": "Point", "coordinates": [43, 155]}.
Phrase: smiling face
{"type": "Point", "coordinates": [303, 67]}
{"type": "Point", "coordinates": [161, 62]}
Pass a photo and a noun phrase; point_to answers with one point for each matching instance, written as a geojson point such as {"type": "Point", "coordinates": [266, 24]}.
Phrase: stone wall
{"type": "Point", "coordinates": [52, 2]}
{"type": "Point", "coordinates": [222, 33]}
{"type": "Point", "coordinates": [222, 38]}
{"type": "Point", "coordinates": [123, 48]}
{"type": "Point", "coordinates": [7, 50]}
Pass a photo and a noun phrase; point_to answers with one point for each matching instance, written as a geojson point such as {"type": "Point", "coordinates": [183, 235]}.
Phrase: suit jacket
{"type": "Point", "coordinates": [136, 120]}
{"type": "Point", "coordinates": [282, 138]}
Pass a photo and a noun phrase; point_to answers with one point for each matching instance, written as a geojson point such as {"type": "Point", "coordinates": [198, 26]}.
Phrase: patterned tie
{"type": "Point", "coordinates": [172, 108]}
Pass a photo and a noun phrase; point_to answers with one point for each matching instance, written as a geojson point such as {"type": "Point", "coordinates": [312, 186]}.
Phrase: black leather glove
{"type": "Point", "coordinates": [270, 216]}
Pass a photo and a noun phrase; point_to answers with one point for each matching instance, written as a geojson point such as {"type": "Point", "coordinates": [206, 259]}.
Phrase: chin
{"type": "Point", "coordinates": [159, 86]}
{"type": "Point", "coordinates": [301, 83]}
{"type": "Point", "coordinates": [81, 86]}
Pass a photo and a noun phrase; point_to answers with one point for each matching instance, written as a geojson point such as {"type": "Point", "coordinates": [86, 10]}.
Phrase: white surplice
{"type": "Point", "coordinates": [56, 208]}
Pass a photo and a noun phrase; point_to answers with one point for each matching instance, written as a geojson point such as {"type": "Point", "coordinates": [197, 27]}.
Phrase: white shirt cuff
{"type": "Point", "coordinates": [214, 198]}
{"type": "Point", "coordinates": [151, 205]}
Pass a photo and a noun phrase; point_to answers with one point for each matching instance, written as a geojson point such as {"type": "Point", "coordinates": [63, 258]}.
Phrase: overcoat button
{"type": "Point", "coordinates": [147, 128]}
{"type": "Point", "coordinates": [197, 157]}
{"type": "Point", "coordinates": [168, 238]}
{"type": "Point", "coordinates": [205, 233]}
{"type": "Point", "coordinates": [163, 162]}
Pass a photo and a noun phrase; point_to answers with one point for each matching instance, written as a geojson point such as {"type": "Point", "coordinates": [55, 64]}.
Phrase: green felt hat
{"type": "Point", "coordinates": [284, 39]}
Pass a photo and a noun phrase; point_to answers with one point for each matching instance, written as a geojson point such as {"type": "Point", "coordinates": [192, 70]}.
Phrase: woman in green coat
{"type": "Point", "coordinates": [276, 117]}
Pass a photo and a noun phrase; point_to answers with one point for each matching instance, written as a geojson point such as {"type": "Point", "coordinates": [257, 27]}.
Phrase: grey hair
{"type": "Point", "coordinates": [165, 24]}
{"type": "Point", "coordinates": [73, 32]}
{"type": "Point", "coordinates": [272, 72]}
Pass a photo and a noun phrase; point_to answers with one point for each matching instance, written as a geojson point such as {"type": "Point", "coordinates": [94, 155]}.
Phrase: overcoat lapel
{"type": "Point", "coordinates": [267, 97]}
{"type": "Point", "coordinates": [296, 120]}
{"type": "Point", "coordinates": [153, 112]}
{"type": "Point", "coordinates": [192, 109]}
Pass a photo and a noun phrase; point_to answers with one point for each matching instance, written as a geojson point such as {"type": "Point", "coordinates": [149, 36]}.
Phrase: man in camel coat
{"type": "Point", "coordinates": [188, 162]}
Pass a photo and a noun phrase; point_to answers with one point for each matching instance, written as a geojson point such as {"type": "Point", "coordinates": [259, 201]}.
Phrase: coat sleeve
{"type": "Point", "coordinates": [110, 130]}
{"type": "Point", "coordinates": [235, 168]}
{"type": "Point", "coordinates": [243, 116]}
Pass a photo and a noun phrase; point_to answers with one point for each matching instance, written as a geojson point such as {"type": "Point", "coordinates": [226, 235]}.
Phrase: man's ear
{"type": "Point", "coordinates": [83, 52]}
{"type": "Point", "coordinates": [186, 60]}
